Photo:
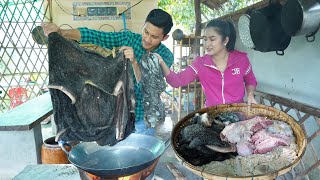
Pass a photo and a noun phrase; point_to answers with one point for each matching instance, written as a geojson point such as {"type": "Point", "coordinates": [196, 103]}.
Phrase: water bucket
{"type": "Point", "coordinates": [51, 152]}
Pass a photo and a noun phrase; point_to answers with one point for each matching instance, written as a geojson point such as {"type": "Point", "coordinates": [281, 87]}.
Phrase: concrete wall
{"type": "Point", "coordinates": [18, 149]}
{"type": "Point", "coordinates": [295, 75]}
{"type": "Point", "coordinates": [134, 22]}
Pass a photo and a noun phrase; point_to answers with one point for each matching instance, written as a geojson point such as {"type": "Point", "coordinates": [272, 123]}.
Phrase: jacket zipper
{"type": "Point", "coordinates": [222, 80]}
{"type": "Point", "coordinates": [222, 88]}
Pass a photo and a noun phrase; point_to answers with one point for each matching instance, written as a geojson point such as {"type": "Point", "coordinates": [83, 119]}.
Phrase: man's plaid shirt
{"type": "Point", "coordinates": [126, 38]}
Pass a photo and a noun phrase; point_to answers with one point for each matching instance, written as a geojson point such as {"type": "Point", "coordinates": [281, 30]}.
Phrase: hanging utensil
{"type": "Point", "coordinates": [244, 31]}
{"type": "Point", "coordinates": [266, 30]}
{"type": "Point", "coordinates": [301, 17]}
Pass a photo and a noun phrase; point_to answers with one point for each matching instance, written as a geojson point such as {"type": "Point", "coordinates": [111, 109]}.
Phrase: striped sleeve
{"type": "Point", "coordinates": [184, 77]}
{"type": "Point", "coordinates": [249, 76]}
{"type": "Point", "coordinates": [248, 69]}
{"type": "Point", "coordinates": [194, 69]}
{"type": "Point", "coordinates": [104, 39]}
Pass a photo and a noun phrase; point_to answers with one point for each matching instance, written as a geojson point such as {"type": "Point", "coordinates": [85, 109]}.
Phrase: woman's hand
{"type": "Point", "coordinates": [250, 89]}
{"type": "Point", "coordinates": [161, 62]}
{"type": "Point", "coordinates": [49, 28]}
{"type": "Point", "coordinates": [165, 68]}
{"type": "Point", "coordinates": [251, 99]}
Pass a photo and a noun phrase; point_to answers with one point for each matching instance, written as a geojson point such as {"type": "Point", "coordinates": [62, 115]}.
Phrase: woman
{"type": "Point", "coordinates": [224, 73]}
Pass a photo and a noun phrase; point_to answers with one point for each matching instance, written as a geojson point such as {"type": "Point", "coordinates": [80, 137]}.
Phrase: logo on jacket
{"type": "Point", "coordinates": [235, 71]}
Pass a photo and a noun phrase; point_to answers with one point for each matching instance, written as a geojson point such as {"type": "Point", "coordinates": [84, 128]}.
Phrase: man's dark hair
{"type": "Point", "coordinates": [161, 19]}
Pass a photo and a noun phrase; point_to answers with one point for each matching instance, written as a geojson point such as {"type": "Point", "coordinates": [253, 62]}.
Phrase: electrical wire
{"type": "Point", "coordinates": [130, 8]}
{"type": "Point", "coordinates": [68, 12]}
{"type": "Point", "coordinates": [114, 30]}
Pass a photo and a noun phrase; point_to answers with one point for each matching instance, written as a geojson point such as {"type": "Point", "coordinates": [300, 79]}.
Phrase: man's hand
{"type": "Point", "coordinates": [129, 54]}
{"type": "Point", "coordinates": [49, 28]}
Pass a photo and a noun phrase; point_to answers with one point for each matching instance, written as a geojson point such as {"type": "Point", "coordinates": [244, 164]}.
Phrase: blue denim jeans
{"type": "Point", "coordinates": [142, 128]}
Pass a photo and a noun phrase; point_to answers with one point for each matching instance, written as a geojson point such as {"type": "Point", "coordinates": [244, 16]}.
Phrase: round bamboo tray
{"type": "Point", "coordinates": [249, 111]}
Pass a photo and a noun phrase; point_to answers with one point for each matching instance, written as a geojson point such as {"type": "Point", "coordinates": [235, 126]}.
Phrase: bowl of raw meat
{"type": "Point", "coordinates": [237, 141]}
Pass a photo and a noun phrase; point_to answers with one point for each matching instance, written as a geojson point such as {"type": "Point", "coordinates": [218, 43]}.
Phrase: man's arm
{"type": "Point", "coordinates": [73, 34]}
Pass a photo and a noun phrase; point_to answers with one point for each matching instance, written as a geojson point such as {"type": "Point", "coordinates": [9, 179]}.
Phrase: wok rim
{"type": "Point", "coordinates": [124, 171]}
{"type": "Point", "coordinates": [122, 147]}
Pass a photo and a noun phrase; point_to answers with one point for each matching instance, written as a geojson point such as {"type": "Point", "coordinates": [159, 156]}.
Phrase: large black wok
{"type": "Point", "coordinates": [127, 157]}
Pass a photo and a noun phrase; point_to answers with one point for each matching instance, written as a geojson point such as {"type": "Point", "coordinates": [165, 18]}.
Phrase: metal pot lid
{"type": "Point", "coordinates": [244, 31]}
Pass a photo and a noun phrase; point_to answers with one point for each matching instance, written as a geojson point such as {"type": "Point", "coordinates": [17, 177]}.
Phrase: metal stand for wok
{"type": "Point", "coordinates": [142, 175]}
{"type": "Point", "coordinates": [136, 154]}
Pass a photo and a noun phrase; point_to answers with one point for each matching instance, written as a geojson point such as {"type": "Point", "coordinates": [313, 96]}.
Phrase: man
{"type": "Point", "coordinates": [156, 28]}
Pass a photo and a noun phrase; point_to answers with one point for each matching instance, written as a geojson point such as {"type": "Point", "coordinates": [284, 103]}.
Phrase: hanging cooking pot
{"type": "Point", "coordinates": [178, 35]}
{"type": "Point", "coordinates": [266, 30]}
{"type": "Point", "coordinates": [301, 17]}
{"type": "Point", "coordinates": [129, 156]}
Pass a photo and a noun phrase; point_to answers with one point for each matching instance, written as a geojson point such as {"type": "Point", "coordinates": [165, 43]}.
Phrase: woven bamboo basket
{"type": "Point", "coordinates": [249, 111]}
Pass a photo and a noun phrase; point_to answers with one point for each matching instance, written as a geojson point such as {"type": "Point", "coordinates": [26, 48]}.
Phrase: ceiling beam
{"type": "Point", "coordinates": [236, 14]}
{"type": "Point", "coordinates": [213, 4]}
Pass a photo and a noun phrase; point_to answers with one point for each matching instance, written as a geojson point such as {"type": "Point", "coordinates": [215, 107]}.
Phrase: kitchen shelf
{"type": "Point", "coordinates": [184, 50]}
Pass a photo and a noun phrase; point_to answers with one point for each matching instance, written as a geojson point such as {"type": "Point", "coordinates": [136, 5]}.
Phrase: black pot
{"type": "Point", "coordinates": [266, 31]}
{"type": "Point", "coordinates": [301, 17]}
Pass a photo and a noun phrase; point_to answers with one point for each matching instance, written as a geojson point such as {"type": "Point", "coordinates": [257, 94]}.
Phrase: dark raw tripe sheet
{"type": "Point", "coordinates": [212, 143]}
{"type": "Point", "coordinates": [87, 106]}
{"type": "Point", "coordinates": [198, 139]}
{"type": "Point", "coordinates": [264, 146]}
{"type": "Point", "coordinates": [153, 84]}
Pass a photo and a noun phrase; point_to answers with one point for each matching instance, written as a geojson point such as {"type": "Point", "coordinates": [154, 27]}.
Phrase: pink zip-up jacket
{"type": "Point", "coordinates": [219, 87]}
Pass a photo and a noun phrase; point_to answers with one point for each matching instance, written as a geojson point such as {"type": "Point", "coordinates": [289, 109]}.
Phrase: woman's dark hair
{"type": "Point", "coordinates": [225, 29]}
{"type": "Point", "coordinates": [161, 19]}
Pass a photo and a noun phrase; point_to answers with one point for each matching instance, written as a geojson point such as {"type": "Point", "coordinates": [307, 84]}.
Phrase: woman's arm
{"type": "Point", "coordinates": [250, 89]}
{"type": "Point", "coordinates": [177, 79]}
{"type": "Point", "coordinates": [164, 67]}
{"type": "Point", "coordinates": [250, 83]}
